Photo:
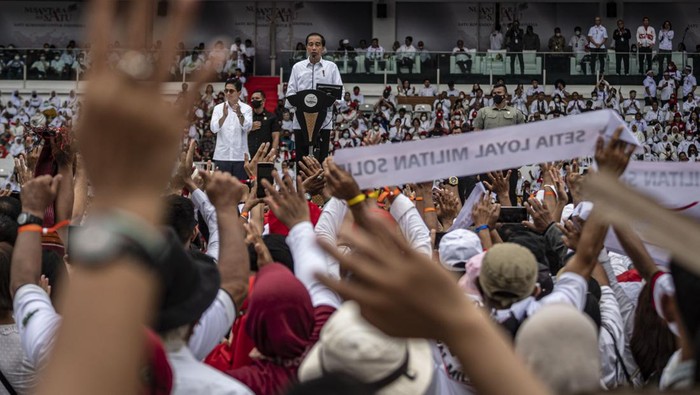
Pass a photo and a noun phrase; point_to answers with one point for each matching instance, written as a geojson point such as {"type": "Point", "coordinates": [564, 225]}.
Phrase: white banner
{"type": "Point", "coordinates": [675, 185]}
{"type": "Point", "coordinates": [480, 152]}
{"type": "Point", "coordinates": [464, 218]}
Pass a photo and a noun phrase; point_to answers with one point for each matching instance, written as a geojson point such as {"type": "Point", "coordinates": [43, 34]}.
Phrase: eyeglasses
{"type": "Point", "coordinates": [230, 91]}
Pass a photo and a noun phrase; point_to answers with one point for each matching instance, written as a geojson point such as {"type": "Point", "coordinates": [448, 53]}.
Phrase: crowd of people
{"type": "Point", "coordinates": [127, 267]}
{"type": "Point", "coordinates": [55, 63]}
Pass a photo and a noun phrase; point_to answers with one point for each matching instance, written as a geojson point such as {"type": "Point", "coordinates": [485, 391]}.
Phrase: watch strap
{"type": "Point", "coordinates": [26, 218]}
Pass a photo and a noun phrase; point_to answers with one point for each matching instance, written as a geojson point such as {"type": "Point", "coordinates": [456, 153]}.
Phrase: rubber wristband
{"type": "Point", "coordinates": [419, 199]}
{"type": "Point", "coordinates": [30, 228]}
{"type": "Point", "coordinates": [357, 199]}
{"type": "Point", "coordinates": [480, 228]}
{"type": "Point", "coordinates": [548, 193]}
{"type": "Point", "coordinates": [373, 195]}
{"type": "Point", "coordinates": [429, 210]}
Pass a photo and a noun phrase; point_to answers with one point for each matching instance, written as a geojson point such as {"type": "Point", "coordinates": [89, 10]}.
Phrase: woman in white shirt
{"type": "Point", "coordinates": [665, 45]}
{"type": "Point", "coordinates": [405, 89]}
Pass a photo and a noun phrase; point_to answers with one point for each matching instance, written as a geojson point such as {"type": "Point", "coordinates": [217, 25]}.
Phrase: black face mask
{"type": "Point", "coordinates": [498, 99]}
{"type": "Point", "coordinates": [256, 103]}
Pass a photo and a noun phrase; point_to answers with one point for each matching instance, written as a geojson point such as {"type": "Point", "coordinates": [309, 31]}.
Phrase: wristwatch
{"type": "Point", "coordinates": [29, 219]}
{"type": "Point", "coordinates": [453, 181]}
{"type": "Point", "coordinates": [108, 238]}
{"type": "Point", "coordinates": [94, 245]}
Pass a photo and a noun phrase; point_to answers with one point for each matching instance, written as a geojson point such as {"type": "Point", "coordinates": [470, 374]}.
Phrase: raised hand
{"type": "Point", "coordinates": [571, 232]}
{"type": "Point", "coordinates": [448, 206]}
{"type": "Point", "coordinates": [254, 237]}
{"type": "Point", "coordinates": [263, 154]}
{"type": "Point", "coordinates": [38, 193]}
{"type": "Point", "coordinates": [541, 216]}
{"type": "Point", "coordinates": [131, 144]}
{"type": "Point", "coordinates": [24, 173]}
{"type": "Point", "coordinates": [288, 205]}
{"type": "Point", "coordinates": [500, 185]}
{"type": "Point", "coordinates": [224, 190]}
{"type": "Point", "coordinates": [340, 183]}
{"type": "Point", "coordinates": [614, 156]}
{"type": "Point", "coordinates": [482, 211]}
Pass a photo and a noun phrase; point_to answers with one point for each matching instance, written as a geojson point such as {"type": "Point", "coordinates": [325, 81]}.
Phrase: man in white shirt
{"type": "Point", "coordinates": [54, 100]}
{"type": "Point", "coordinates": [646, 38]}
{"type": "Point", "coordinates": [575, 105]}
{"type": "Point", "coordinates": [40, 67]}
{"type": "Point", "coordinates": [405, 56]}
{"type": "Point", "coordinates": [496, 39]}
{"type": "Point", "coordinates": [462, 58]}
{"type": "Point", "coordinates": [375, 52]}
{"type": "Point", "coordinates": [649, 88]}
{"type": "Point", "coordinates": [191, 63]}
{"type": "Point", "coordinates": [534, 89]}
{"type": "Point", "coordinates": [689, 82]}
{"type": "Point", "coordinates": [427, 89]}
{"type": "Point", "coordinates": [451, 91]}
{"type": "Point", "coordinates": [597, 37]}
{"type": "Point", "coordinates": [306, 74]}
{"type": "Point", "coordinates": [631, 106]}
{"type": "Point", "coordinates": [540, 105]}
{"type": "Point", "coordinates": [667, 86]}
{"type": "Point", "coordinates": [231, 121]}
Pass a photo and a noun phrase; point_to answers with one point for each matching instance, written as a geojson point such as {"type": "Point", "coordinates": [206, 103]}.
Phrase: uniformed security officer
{"type": "Point", "coordinates": [498, 115]}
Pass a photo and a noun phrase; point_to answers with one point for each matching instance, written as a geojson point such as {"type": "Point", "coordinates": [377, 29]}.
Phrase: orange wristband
{"type": "Point", "coordinates": [548, 193]}
{"type": "Point", "coordinates": [244, 214]}
{"type": "Point", "coordinates": [419, 199]}
{"type": "Point", "coordinates": [30, 228]}
{"type": "Point", "coordinates": [44, 231]}
{"type": "Point", "coordinates": [429, 210]}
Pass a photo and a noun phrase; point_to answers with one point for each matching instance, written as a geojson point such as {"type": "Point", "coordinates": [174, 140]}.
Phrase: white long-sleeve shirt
{"type": "Point", "coordinates": [646, 37]}
{"type": "Point", "coordinates": [306, 75]}
{"type": "Point", "coordinates": [666, 40]}
{"type": "Point", "coordinates": [232, 137]}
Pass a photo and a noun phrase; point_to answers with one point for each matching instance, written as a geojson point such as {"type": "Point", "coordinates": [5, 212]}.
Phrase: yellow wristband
{"type": "Point", "coordinates": [357, 199]}
{"type": "Point", "coordinates": [373, 195]}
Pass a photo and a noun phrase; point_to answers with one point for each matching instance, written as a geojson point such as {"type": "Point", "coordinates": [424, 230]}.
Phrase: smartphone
{"type": "Point", "coordinates": [264, 173]}
{"type": "Point", "coordinates": [512, 215]}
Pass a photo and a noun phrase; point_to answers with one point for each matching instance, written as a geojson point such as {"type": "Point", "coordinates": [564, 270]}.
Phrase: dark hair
{"type": "Point", "coordinates": [5, 296]}
{"type": "Point", "coordinates": [500, 86]}
{"type": "Point", "coordinates": [577, 28]}
{"type": "Point", "coordinates": [260, 92]}
{"type": "Point", "coordinates": [323, 39]}
{"type": "Point", "coordinates": [645, 17]}
{"type": "Point", "coordinates": [687, 283]}
{"type": "Point", "coordinates": [180, 216]}
{"type": "Point", "coordinates": [235, 82]}
{"type": "Point", "coordinates": [8, 229]}
{"type": "Point", "coordinates": [10, 206]}
{"type": "Point", "coordinates": [409, 38]}
{"type": "Point", "coordinates": [669, 24]}
{"type": "Point", "coordinates": [652, 344]}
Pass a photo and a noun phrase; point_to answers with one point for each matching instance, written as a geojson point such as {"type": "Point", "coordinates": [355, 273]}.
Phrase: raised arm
{"type": "Point", "coordinates": [290, 207]}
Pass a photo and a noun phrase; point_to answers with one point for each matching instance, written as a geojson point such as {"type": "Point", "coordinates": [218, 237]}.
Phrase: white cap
{"type": "Point", "coordinates": [346, 41]}
{"type": "Point", "coordinates": [457, 247]}
{"type": "Point", "coordinates": [350, 345]}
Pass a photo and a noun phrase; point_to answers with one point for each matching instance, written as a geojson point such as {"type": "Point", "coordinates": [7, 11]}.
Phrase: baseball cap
{"type": "Point", "coordinates": [346, 41]}
{"type": "Point", "coordinates": [457, 247]}
{"type": "Point", "coordinates": [351, 346]}
{"type": "Point", "coordinates": [508, 274]}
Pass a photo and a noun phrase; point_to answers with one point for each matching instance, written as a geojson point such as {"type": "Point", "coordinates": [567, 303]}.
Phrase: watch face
{"type": "Point", "coordinates": [453, 181]}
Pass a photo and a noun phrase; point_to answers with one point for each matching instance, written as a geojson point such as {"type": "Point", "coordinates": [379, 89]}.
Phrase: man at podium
{"type": "Point", "coordinates": [306, 75]}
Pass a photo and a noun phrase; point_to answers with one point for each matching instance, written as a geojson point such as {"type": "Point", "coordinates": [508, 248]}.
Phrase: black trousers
{"type": "Point", "coordinates": [519, 55]}
{"type": "Point", "coordinates": [622, 58]}
{"type": "Point", "coordinates": [465, 65]}
{"type": "Point", "coordinates": [320, 142]}
{"type": "Point", "coordinates": [663, 54]}
{"type": "Point", "coordinates": [599, 55]}
{"type": "Point", "coordinates": [644, 55]}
